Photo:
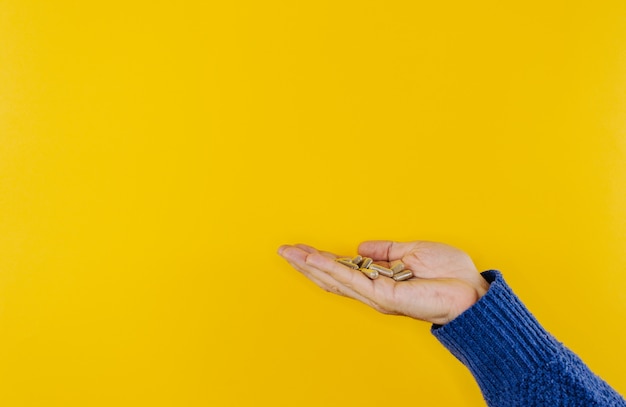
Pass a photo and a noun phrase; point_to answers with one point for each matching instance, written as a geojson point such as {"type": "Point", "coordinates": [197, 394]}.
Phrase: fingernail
{"type": "Point", "coordinates": [281, 249]}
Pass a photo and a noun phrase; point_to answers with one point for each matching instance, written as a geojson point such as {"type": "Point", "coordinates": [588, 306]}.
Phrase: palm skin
{"type": "Point", "coordinates": [445, 281]}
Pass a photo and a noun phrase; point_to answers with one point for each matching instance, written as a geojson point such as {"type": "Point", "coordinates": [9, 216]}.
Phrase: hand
{"type": "Point", "coordinates": [445, 281]}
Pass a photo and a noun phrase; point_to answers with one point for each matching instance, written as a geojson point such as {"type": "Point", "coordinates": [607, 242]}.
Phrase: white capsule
{"type": "Point", "coordinates": [347, 263]}
{"type": "Point", "coordinates": [381, 270]}
{"type": "Point", "coordinates": [398, 267]}
{"type": "Point", "coordinates": [372, 274]}
{"type": "Point", "coordinates": [403, 275]}
{"type": "Point", "coordinates": [366, 263]}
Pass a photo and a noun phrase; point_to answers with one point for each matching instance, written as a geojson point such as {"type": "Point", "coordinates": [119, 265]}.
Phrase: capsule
{"type": "Point", "coordinates": [403, 275]}
{"type": "Point", "coordinates": [357, 259]}
{"type": "Point", "coordinates": [347, 263]}
{"type": "Point", "coordinates": [384, 271]}
{"type": "Point", "coordinates": [366, 263]}
{"type": "Point", "coordinates": [398, 267]}
{"type": "Point", "coordinates": [372, 274]}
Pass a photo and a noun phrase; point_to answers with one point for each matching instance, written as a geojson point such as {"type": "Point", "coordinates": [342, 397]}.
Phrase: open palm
{"type": "Point", "coordinates": [445, 281]}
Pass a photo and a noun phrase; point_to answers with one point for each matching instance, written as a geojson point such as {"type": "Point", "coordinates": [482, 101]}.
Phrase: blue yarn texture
{"type": "Point", "coordinates": [514, 360]}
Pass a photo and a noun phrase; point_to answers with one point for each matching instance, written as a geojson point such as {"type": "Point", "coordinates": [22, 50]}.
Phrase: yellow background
{"type": "Point", "coordinates": [153, 156]}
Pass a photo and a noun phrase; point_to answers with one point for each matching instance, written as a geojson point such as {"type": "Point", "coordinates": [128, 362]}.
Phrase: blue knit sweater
{"type": "Point", "coordinates": [514, 360]}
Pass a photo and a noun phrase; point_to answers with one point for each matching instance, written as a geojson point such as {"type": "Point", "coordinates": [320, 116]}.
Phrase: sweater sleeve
{"type": "Point", "coordinates": [514, 360]}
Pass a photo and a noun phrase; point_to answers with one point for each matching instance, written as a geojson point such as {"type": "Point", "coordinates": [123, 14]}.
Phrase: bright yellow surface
{"type": "Point", "coordinates": [153, 156]}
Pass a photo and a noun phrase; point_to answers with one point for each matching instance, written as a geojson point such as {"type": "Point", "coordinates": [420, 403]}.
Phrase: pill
{"type": "Point", "coordinates": [381, 270]}
{"type": "Point", "coordinates": [347, 263]}
{"type": "Point", "coordinates": [372, 270]}
{"type": "Point", "coordinates": [398, 267]}
{"type": "Point", "coordinates": [403, 275]}
{"type": "Point", "coordinates": [372, 274]}
{"type": "Point", "coordinates": [366, 263]}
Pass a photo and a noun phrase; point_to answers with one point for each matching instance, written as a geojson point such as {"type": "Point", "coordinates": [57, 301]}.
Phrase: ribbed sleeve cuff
{"type": "Point", "coordinates": [497, 338]}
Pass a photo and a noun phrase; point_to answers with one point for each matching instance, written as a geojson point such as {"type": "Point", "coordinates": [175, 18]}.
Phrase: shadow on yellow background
{"type": "Point", "coordinates": [153, 156]}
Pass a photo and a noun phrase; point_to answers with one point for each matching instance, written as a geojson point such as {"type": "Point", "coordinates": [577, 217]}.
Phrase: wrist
{"type": "Point", "coordinates": [473, 291]}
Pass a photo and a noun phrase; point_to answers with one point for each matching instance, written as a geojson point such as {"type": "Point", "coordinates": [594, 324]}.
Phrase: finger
{"type": "Point", "coordinates": [385, 249]}
{"type": "Point", "coordinates": [281, 248]}
{"type": "Point", "coordinates": [354, 280]}
{"type": "Point", "coordinates": [329, 284]}
{"type": "Point", "coordinates": [310, 249]}
{"type": "Point", "coordinates": [305, 247]}
{"type": "Point", "coordinates": [297, 258]}
{"type": "Point", "coordinates": [375, 293]}
{"type": "Point", "coordinates": [325, 284]}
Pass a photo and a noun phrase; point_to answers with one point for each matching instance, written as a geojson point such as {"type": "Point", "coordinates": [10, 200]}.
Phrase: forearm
{"type": "Point", "coordinates": [514, 360]}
